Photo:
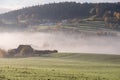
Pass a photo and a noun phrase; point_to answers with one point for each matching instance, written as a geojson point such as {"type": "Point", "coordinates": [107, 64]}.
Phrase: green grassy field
{"type": "Point", "coordinates": [84, 25]}
{"type": "Point", "coordinates": [61, 66]}
{"type": "Point", "coordinates": [87, 26]}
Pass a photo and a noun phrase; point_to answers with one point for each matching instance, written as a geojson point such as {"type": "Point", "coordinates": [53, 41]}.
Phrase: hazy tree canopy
{"type": "Point", "coordinates": [2, 53]}
{"type": "Point", "coordinates": [61, 11]}
{"type": "Point", "coordinates": [54, 11]}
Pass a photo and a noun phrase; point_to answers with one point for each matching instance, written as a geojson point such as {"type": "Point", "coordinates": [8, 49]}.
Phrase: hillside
{"type": "Point", "coordinates": [56, 12]}
{"type": "Point", "coordinates": [61, 66]}
{"type": "Point", "coordinates": [104, 58]}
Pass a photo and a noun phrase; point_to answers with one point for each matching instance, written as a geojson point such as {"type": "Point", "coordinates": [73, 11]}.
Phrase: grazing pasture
{"type": "Point", "coordinates": [61, 66]}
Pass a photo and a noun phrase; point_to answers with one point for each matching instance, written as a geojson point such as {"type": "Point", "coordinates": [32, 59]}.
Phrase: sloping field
{"type": "Point", "coordinates": [61, 66]}
{"type": "Point", "coordinates": [83, 25]}
{"type": "Point", "coordinates": [91, 28]}
{"type": "Point", "coordinates": [88, 25]}
{"type": "Point", "coordinates": [109, 58]}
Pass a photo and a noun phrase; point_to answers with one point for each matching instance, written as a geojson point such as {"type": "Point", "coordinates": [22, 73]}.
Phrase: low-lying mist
{"type": "Point", "coordinates": [62, 41]}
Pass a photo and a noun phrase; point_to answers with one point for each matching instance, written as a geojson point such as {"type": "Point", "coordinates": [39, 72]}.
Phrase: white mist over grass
{"type": "Point", "coordinates": [63, 42]}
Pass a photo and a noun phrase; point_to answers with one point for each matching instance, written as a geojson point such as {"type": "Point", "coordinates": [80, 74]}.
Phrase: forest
{"type": "Point", "coordinates": [55, 12]}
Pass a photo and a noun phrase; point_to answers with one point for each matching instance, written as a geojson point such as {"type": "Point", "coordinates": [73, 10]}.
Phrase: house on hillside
{"type": "Point", "coordinates": [27, 50]}
{"type": "Point", "coordinates": [24, 50]}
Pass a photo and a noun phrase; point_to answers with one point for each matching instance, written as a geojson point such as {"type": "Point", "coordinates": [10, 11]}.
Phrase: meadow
{"type": "Point", "coordinates": [62, 66]}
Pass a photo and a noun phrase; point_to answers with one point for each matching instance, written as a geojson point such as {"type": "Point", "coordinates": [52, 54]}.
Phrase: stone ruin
{"type": "Point", "coordinates": [27, 50]}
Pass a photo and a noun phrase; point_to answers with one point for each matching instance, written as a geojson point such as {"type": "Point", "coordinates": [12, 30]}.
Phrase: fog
{"type": "Point", "coordinates": [62, 41]}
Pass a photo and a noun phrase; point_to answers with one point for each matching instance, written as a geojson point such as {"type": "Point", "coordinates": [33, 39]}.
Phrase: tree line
{"type": "Point", "coordinates": [60, 11]}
